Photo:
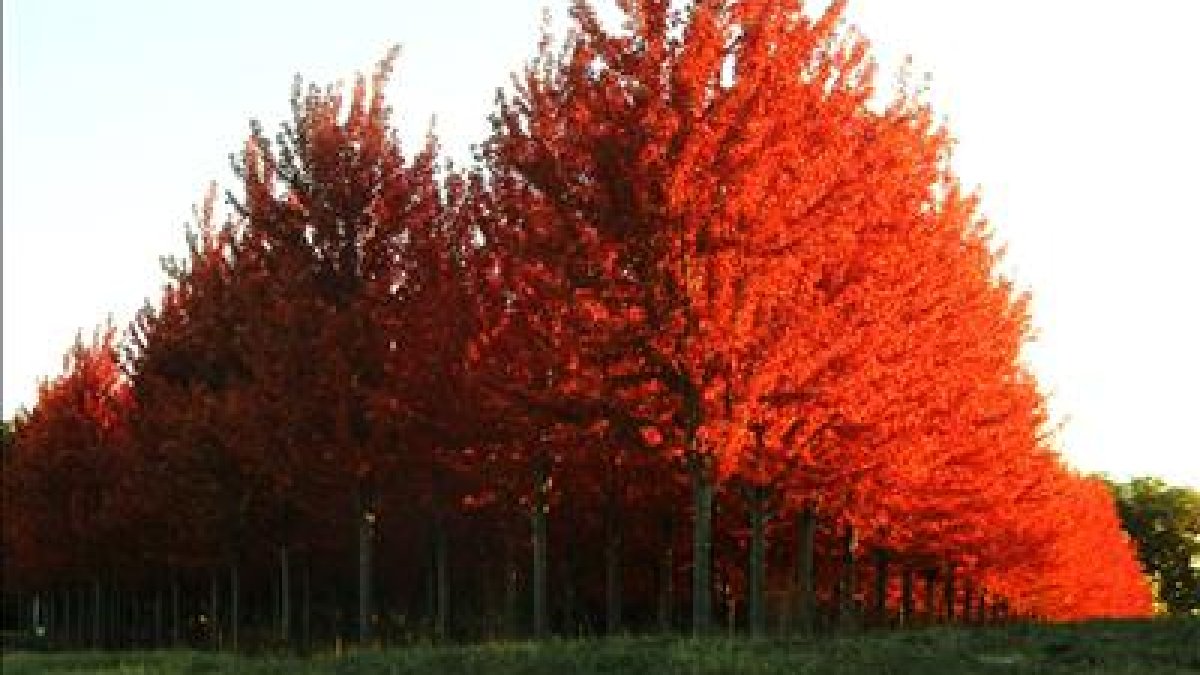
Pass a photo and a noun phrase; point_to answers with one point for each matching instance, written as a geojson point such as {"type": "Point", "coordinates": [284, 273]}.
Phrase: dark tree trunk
{"type": "Point", "coordinates": [881, 580]}
{"type": "Point", "coordinates": [157, 633]}
{"type": "Point", "coordinates": [612, 585]}
{"type": "Point", "coordinates": [612, 552]}
{"type": "Point", "coordinates": [849, 584]}
{"type": "Point", "coordinates": [306, 603]}
{"type": "Point", "coordinates": [702, 493]}
{"type": "Point", "coordinates": [441, 576]}
{"type": "Point", "coordinates": [235, 616]}
{"type": "Point", "coordinates": [70, 616]}
{"type": "Point", "coordinates": [510, 596]}
{"type": "Point", "coordinates": [908, 601]}
{"type": "Point", "coordinates": [285, 595]}
{"type": "Point", "coordinates": [931, 612]}
{"type": "Point", "coordinates": [666, 601]}
{"type": "Point", "coordinates": [175, 628]}
{"type": "Point", "coordinates": [806, 532]}
{"type": "Point", "coordinates": [756, 599]}
{"type": "Point", "coordinates": [214, 609]}
{"type": "Point", "coordinates": [97, 615]}
{"type": "Point", "coordinates": [968, 598]}
{"type": "Point", "coordinates": [541, 475]}
{"type": "Point", "coordinates": [950, 594]}
{"type": "Point", "coordinates": [366, 542]}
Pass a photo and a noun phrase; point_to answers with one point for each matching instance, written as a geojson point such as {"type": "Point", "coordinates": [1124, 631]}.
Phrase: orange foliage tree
{"type": "Point", "coordinates": [702, 253]}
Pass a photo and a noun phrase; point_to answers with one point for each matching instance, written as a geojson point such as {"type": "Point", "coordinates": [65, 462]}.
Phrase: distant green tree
{"type": "Point", "coordinates": [1164, 521]}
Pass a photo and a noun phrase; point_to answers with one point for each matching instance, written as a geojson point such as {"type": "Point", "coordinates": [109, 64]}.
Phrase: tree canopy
{"type": "Point", "coordinates": [703, 275]}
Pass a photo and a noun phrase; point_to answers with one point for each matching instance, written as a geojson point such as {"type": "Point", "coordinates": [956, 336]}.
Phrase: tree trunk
{"type": "Point", "coordinates": [950, 594]}
{"type": "Point", "coordinates": [570, 619]}
{"type": "Point", "coordinates": [540, 497]}
{"type": "Point", "coordinates": [931, 612]}
{"type": "Point", "coordinates": [39, 620]}
{"type": "Point", "coordinates": [97, 623]}
{"type": "Point", "coordinates": [666, 604]}
{"type": "Point", "coordinates": [702, 492]}
{"type": "Point", "coordinates": [175, 633]}
{"type": "Point", "coordinates": [214, 609]}
{"type": "Point", "coordinates": [366, 540]}
{"type": "Point", "coordinates": [612, 559]}
{"type": "Point", "coordinates": [510, 596]}
{"type": "Point", "coordinates": [907, 602]}
{"type": "Point", "coordinates": [285, 595]}
{"type": "Point", "coordinates": [849, 586]}
{"type": "Point", "coordinates": [69, 617]}
{"type": "Point", "coordinates": [51, 624]}
{"type": "Point", "coordinates": [235, 617]}
{"type": "Point", "coordinates": [806, 532]}
{"type": "Point", "coordinates": [756, 600]}
{"type": "Point", "coordinates": [968, 598]}
{"type": "Point", "coordinates": [157, 639]}
{"type": "Point", "coordinates": [441, 577]}
{"type": "Point", "coordinates": [306, 603]}
{"type": "Point", "coordinates": [881, 579]}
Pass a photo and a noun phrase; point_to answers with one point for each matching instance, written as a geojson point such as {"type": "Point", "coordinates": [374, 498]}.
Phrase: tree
{"type": "Point", "coordinates": [1164, 522]}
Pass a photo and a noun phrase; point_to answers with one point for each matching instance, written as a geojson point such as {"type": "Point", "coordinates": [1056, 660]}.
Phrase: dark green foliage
{"type": "Point", "coordinates": [1107, 648]}
{"type": "Point", "coordinates": [1165, 523]}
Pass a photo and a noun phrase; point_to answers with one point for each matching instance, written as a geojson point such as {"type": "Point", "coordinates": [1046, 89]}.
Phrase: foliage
{"type": "Point", "coordinates": [700, 255]}
{"type": "Point", "coordinates": [1164, 522]}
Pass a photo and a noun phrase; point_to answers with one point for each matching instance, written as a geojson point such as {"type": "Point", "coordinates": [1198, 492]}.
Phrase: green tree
{"type": "Point", "coordinates": [1164, 521]}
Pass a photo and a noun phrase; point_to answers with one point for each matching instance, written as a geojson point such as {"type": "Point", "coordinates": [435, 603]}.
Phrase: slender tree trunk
{"type": "Point", "coordinates": [756, 599]}
{"type": "Point", "coordinates": [931, 611]}
{"type": "Point", "coordinates": [55, 614]}
{"type": "Point", "coordinates": [510, 596]}
{"type": "Point", "coordinates": [968, 598]}
{"type": "Point", "coordinates": [539, 516]}
{"type": "Point", "coordinates": [702, 492]}
{"type": "Point", "coordinates": [950, 593]}
{"type": "Point", "coordinates": [157, 640]}
{"type": "Point", "coordinates": [306, 602]}
{"type": "Point", "coordinates": [235, 616]}
{"type": "Point", "coordinates": [806, 532]}
{"type": "Point", "coordinates": [849, 585]}
{"type": "Point", "coordinates": [97, 608]}
{"type": "Point", "coordinates": [214, 608]}
{"type": "Point", "coordinates": [612, 557]}
{"type": "Point", "coordinates": [570, 623]}
{"type": "Point", "coordinates": [612, 585]}
{"type": "Point", "coordinates": [881, 580]}
{"type": "Point", "coordinates": [51, 619]}
{"type": "Point", "coordinates": [666, 604]}
{"type": "Point", "coordinates": [285, 595]}
{"type": "Point", "coordinates": [907, 602]}
{"type": "Point", "coordinates": [70, 616]}
{"type": "Point", "coordinates": [366, 540]}
{"type": "Point", "coordinates": [441, 576]}
{"type": "Point", "coordinates": [36, 615]}
{"type": "Point", "coordinates": [175, 633]}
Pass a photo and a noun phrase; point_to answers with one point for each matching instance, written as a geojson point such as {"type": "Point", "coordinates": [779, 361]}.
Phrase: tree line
{"type": "Point", "coordinates": [709, 334]}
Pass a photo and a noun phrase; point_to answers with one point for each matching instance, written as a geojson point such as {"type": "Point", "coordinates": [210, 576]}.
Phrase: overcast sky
{"type": "Point", "coordinates": [1077, 119]}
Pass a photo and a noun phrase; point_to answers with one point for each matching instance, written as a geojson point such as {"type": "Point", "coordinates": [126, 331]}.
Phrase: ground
{"type": "Point", "coordinates": [1159, 647]}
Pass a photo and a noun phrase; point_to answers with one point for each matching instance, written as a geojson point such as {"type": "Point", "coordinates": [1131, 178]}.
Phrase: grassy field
{"type": "Point", "coordinates": [1150, 647]}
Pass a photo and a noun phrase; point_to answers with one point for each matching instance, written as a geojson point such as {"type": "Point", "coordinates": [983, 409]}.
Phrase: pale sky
{"type": "Point", "coordinates": [1077, 119]}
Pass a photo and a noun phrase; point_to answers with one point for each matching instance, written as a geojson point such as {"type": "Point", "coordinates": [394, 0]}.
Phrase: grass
{"type": "Point", "coordinates": [1105, 648]}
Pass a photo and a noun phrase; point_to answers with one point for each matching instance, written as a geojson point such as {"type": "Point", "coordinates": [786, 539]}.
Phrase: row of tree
{"type": "Point", "coordinates": [710, 307]}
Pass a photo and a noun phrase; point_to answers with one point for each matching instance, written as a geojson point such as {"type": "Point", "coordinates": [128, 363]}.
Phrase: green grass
{"type": "Point", "coordinates": [1126, 647]}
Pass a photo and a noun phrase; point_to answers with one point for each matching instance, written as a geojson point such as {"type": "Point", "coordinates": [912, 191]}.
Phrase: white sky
{"type": "Point", "coordinates": [1076, 118]}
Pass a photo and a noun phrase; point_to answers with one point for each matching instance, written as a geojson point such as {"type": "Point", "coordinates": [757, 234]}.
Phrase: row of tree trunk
{"type": "Point", "coordinates": [100, 615]}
